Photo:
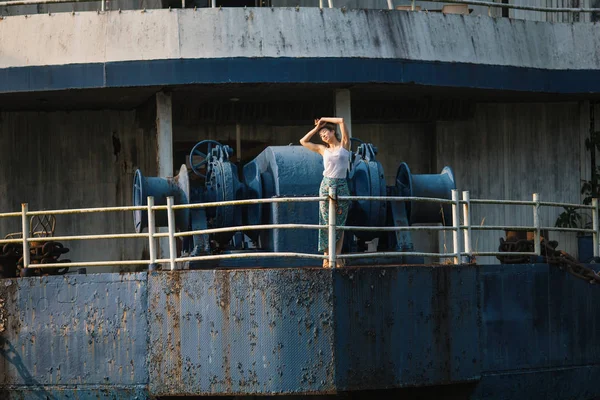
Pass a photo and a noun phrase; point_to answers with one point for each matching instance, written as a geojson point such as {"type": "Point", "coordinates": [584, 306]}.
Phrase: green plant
{"type": "Point", "coordinates": [573, 217]}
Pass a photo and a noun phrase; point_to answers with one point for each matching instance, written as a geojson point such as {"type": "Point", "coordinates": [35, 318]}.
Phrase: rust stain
{"type": "Point", "coordinates": [224, 298]}
{"type": "Point", "coordinates": [173, 308]}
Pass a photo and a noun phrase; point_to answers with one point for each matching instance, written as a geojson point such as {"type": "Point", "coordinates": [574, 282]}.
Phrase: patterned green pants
{"type": "Point", "coordinates": [341, 207]}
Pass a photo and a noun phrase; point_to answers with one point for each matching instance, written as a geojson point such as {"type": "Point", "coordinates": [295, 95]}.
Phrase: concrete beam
{"type": "Point", "coordinates": [285, 45]}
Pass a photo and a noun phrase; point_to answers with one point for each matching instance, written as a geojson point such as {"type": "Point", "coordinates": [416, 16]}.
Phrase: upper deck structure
{"type": "Point", "coordinates": [506, 97]}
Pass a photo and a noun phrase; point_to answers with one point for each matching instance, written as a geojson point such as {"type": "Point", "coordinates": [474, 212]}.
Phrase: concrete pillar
{"type": "Point", "coordinates": [164, 134]}
{"type": "Point", "coordinates": [238, 141]}
{"type": "Point", "coordinates": [343, 107]}
{"type": "Point", "coordinates": [164, 152]}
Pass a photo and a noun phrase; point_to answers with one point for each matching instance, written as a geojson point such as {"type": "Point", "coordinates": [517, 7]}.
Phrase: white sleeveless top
{"type": "Point", "coordinates": [336, 163]}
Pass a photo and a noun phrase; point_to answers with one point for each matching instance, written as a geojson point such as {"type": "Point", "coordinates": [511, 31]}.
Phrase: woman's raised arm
{"type": "Point", "coordinates": [343, 130]}
{"type": "Point", "coordinates": [305, 141]}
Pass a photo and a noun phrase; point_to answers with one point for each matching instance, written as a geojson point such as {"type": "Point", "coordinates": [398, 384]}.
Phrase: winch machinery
{"type": "Point", "coordinates": [287, 171]}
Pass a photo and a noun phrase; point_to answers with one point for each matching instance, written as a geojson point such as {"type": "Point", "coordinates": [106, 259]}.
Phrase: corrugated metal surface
{"type": "Point", "coordinates": [84, 333]}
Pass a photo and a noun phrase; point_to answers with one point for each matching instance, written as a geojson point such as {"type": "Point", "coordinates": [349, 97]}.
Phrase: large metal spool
{"type": "Point", "coordinates": [426, 185]}
{"type": "Point", "coordinates": [367, 178]}
{"type": "Point", "coordinates": [161, 188]}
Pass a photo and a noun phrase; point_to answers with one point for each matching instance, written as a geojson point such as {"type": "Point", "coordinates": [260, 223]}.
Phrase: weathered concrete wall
{"type": "Point", "coordinates": [265, 32]}
{"type": "Point", "coordinates": [510, 151]}
{"type": "Point", "coordinates": [348, 4]}
{"type": "Point", "coordinates": [79, 159]}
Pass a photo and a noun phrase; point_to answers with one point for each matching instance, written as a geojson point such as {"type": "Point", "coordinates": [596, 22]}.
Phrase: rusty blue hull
{"type": "Point", "coordinates": [499, 332]}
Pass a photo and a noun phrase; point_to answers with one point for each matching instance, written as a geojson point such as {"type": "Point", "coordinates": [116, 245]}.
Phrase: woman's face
{"type": "Point", "coordinates": [327, 136]}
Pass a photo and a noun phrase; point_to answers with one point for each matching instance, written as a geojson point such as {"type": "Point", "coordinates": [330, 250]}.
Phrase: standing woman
{"type": "Point", "coordinates": [336, 159]}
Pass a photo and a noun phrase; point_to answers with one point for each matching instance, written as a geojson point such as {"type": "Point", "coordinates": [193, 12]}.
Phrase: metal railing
{"type": "Point", "coordinates": [461, 209]}
{"type": "Point", "coordinates": [330, 4]}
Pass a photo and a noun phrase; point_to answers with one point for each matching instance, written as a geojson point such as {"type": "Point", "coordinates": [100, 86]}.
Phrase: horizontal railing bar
{"type": "Point", "coordinates": [34, 2]}
{"type": "Point", "coordinates": [517, 7]}
{"type": "Point", "coordinates": [396, 198]}
{"type": "Point", "coordinates": [503, 202]}
{"type": "Point", "coordinates": [553, 204]}
{"type": "Point", "coordinates": [526, 203]}
{"type": "Point", "coordinates": [7, 241]}
{"type": "Point", "coordinates": [90, 264]}
{"type": "Point", "coordinates": [88, 237]}
{"type": "Point", "coordinates": [87, 210]}
{"type": "Point", "coordinates": [243, 228]}
{"type": "Point", "coordinates": [245, 255]}
{"type": "Point", "coordinates": [10, 215]}
{"type": "Point", "coordinates": [243, 202]}
{"type": "Point", "coordinates": [500, 253]}
{"type": "Point", "coordinates": [383, 254]}
{"type": "Point", "coordinates": [394, 228]}
{"type": "Point", "coordinates": [560, 229]}
{"type": "Point", "coordinates": [499, 228]}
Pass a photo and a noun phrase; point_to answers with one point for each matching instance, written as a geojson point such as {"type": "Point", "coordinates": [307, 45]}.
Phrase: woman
{"type": "Point", "coordinates": [336, 159]}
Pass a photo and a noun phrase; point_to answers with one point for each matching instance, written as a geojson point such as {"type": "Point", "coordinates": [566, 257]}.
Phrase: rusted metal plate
{"type": "Point", "coordinates": [244, 331]}
{"type": "Point", "coordinates": [83, 392]}
{"type": "Point", "coordinates": [406, 326]}
{"type": "Point", "coordinates": [312, 330]}
{"type": "Point", "coordinates": [74, 332]}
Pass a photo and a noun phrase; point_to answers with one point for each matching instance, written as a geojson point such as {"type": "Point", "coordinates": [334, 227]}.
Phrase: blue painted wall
{"type": "Point", "coordinates": [508, 331]}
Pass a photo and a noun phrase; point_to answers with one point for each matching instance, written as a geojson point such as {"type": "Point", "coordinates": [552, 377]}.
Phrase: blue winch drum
{"type": "Point", "coordinates": [161, 188]}
{"type": "Point", "coordinates": [438, 186]}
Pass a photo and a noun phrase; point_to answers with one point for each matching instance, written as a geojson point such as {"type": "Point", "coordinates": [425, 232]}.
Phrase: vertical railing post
{"type": "Point", "coordinates": [330, 3]}
{"type": "Point", "coordinates": [467, 222]}
{"type": "Point", "coordinates": [320, 3]}
{"type": "Point", "coordinates": [103, 5]}
{"type": "Point", "coordinates": [332, 228]}
{"type": "Point", "coordinates": [595, 226]}
{"type": "Point", "coordinates": [171, 222]}
{"type": "Point", "coordinates": [25, 229]}
{"type": "Point", "coordinates": [214, 4]}
{"type": "Point", "coordinates": [456, 224]}
{"type": "Point", "coordinates": [536, 224]}
{"type": "Point", "coordinates": [390, 5]}
{"type": "Point", "coordinates": [412, 5]}
{"type": "Point", "coordinates": [151, 232]}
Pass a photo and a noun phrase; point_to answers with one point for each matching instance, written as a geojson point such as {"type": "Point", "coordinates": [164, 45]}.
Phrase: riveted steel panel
{"type": "Point", "coordinates": [515, 331]}
{"type": "Point", "coordinates": [406, 326]}
{"type": "Point", "coordinates": [66, 333]}
{"type": "Point", "coordinates": [244, 331]}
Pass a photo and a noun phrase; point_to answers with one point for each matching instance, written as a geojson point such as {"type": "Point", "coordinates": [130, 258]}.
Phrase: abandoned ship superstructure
{"type": "Point", "coordinates": [160, 218]}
